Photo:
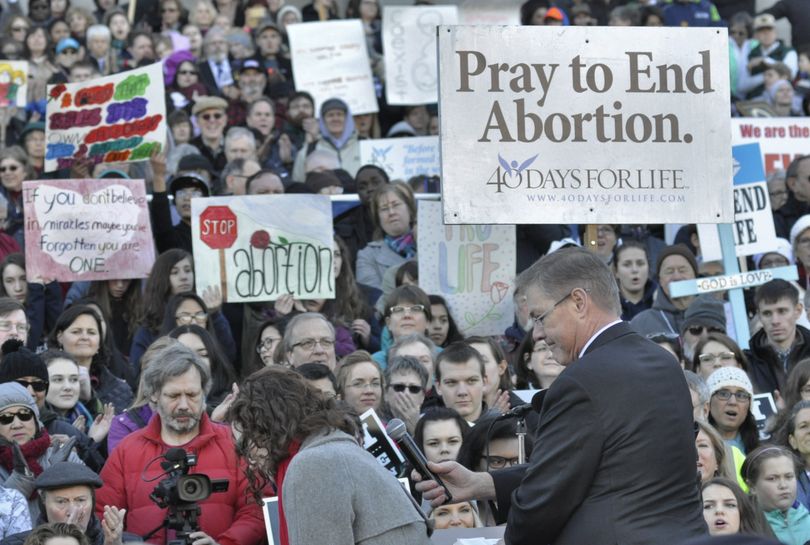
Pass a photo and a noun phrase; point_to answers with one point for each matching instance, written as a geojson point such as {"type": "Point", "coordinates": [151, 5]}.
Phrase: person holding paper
{"type": "Point", "coordinates": [599, 420]}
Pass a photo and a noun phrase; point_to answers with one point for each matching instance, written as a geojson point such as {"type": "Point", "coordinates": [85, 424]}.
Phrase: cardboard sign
{"type": "Point", "coordinates": [377, 442]}
{"type": "Point", "coordinates": [599, 125]}
{"type": "Point", "coordinates": [330, 59]}
{"type": "Point", "coordinates": [754, 232]}
{"type": "Point", "coordinates": [780, 139]}
{"type": "Point", "coordinates": [87, 230]}
{"type": "Point", "coordinates": [409, 42]}
{"type": "Point", "coordinates": [13, 83]}
{"type": "Point", "coordinates": [119, 118]}
{"type": "Point", "coordinates": [471, 266]}
{"type": "Point", "coordinates": [260, 247]}
{"type": "Point", "coordinates": [403, 158]}
{"type": "Point", "coordinates": [487, 12]}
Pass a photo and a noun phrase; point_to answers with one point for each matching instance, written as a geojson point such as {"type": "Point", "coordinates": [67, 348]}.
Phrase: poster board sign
{"type": "Point", "coordinates": [753, 228]}
{"type": "Point", "coordinates": [330, 59]}
{"type": "Point", "coordinates": [487, 12]}
{"type": "Point", "coordinates": [781, 139]}
{"type": "Point", "coordinates": [403, 158]}
{"type": "Point", "coordinates": [471, 266]}
{"type": "Point", "coordinates": [763, 407]}
{"type": "Point", "coordinates": [13, 83]}
{"type": "Point", "coordinates": [79, 230]}
{"type": "Point", "coordinates": [409, 42]}
{"type": "Point", "coordinates": [378, 444]}
{"type": "Point", "coordinates": [260, 247]}
{"type": "Point", "coordinates": [118, 118]}
{"type": "Point", "coordinates": [600, 125]}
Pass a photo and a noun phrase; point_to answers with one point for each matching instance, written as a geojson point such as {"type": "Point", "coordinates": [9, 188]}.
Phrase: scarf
{"type": "Point", "coordinates": [32, 451]}
{"type": "Point", "coordinates": [292, 450]}
{"type": "Point", "coordinates": [404, 245]}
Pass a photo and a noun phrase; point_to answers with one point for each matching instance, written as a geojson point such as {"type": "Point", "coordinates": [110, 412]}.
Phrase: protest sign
{"type": "Point", "coordinates": [599, 125]}
{"type": "Point", "coordinates": [114, 119]}
{"type": "Point", "coordinates": [330, 59]}
{"type": "Point", "coordinates": [487, 12]}
{"type": "Point", "coordinates": [753, 221]}
{"type": "Point", "coordinates": [763, 407]}
{"type": "Point", "coordinates": [87, 230]}
{"type": "Point", "coordinates": [780, 139]}
{"type": "Point", "coordinates": [409, 42]}
{"type": "Point", "coordinates": [377, 442]}
{"type": "Point", "coordinates": [260, 247]}
{"type": "Point", "coordinates": [13, 83]}
{"type": "Point", "coordinates": [403, 158]}
{"type": "Point", "coordinates": [471, 266]}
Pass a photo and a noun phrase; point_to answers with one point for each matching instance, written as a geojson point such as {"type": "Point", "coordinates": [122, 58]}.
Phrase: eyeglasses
{"type": "Point", "coordinates": [24, 416]}
{"type": "Point", "coordinates": [388, 208]}
{"type": "Point", "coordinates": [698, 330]}
{"type": "Point", "coordinates": [187, 72]}
{"type": "Point", "coordinates": [309, 344]}
{"type": "Point", "coordinates": [412, 388]}
{"type": "Point", "coordinates": [6, 326]}
{"type": "Point", "coordinates": [37, 385]}
{"type": "Point", "coordinates": [19, 29]}
{"type": "Point", "coordinates": [362, 384]}
{"type": "Point", "coordinates": [770, 263]}
{"type": "Point", "coordinates": [187, 317]}
{"type": "Point", "coordinates": [189, 192]}
{"type": "Point", "coordinates": [539, 320]}
{"type": "Point", "coordinates": [725, 357]}
{"type": "Point", "coordinates": [267, 344]}
{"type": "Point", "coordinates": [168, 10]}
{"type": "Point", "coordinates": [209, 117]}
{"type": "Point", "coordinates": [725, 395]}
{"type": "Point", "coordinates": [413, 309]}
{"type": "Point", "coordinates": [499, 462]}
{"type": "Point", "coordinates": [778, 193]}
{"type": "Point", "coordinates": [10, 168]}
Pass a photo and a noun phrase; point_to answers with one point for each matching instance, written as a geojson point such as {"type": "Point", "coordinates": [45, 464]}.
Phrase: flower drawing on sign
{"type": "Point", "coordinates": [498, 291]}
{"type": "Point", "coordinates": [260, 239]}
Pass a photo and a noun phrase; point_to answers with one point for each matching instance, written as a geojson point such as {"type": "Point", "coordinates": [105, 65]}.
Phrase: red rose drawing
{"type": "Point", "coordinates": [498, 291]}
{"type": "Point", "coordinates": [260, 239]}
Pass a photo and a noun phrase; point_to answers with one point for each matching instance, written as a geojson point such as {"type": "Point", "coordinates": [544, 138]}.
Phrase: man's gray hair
{"type": "Point", "coordinates": [411, 339]}
{"type": "Point", "coordinates": [99, 31]}
{"type": "Point", "coordinates": [698, 385]}
{"type": "Point", "coordinates": [171, 362]}
{"type": "Point", "coordinates": [558, 274]}
{"type": "Point", "coordinates": [235, 133]}
{"type": "Point", "coordinates": [405, 364]}
{"type": "Point", "coordinates": [289, 340]}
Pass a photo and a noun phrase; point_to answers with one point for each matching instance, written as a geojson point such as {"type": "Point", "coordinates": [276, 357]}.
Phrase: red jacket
{"type": "Point", "coordinates": [231, 517]}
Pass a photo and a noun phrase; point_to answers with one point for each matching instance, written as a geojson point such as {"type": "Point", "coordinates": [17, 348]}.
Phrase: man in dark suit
{"type": "Point", "coordinates": [616, 458]}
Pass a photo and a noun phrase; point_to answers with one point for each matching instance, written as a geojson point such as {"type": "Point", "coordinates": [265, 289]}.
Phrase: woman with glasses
{"type": "Point", "coordinates": [22, 431]}
{"type": "Point", "coordinates": [14, 168]}
{"type": "Point", "coordinates": [407, 311]}
{"type": "Point", "coordinates": [730, 408]}
{"type": "Point", "coordinates": [171, 15]}
{"type": "Point", "coordinates": [535, 366]}
{"type": "Point", "coordinates": [17, 27]}
{"type": "Point", "coordinates": [188, 308]}
{"type": "Point", "coordinates": [360, 383]}
{"type": "Point", "coordinates": [715, 351]}
{"type": "Point", "coordinates": [268, 339]}
{"type": "Point", "coordinates": [185, 86]}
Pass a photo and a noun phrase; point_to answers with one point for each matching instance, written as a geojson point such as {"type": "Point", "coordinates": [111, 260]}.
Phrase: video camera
{"type": "Point", "coordinates": [181, 494]}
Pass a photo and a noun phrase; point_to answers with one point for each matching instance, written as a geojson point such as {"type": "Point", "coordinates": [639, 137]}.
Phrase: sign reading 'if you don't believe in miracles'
{"type": "Point", "coordinates": [584, 125]}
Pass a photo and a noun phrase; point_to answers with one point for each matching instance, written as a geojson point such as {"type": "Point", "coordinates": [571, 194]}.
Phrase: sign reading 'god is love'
{"type": "Point", "coordinates": [599, 125]}
{"type": "Point", "coordinates": [115, 119]}
{"type": "Point", "coordinates": [260, 247]}
{"type": "Point", "coordinates": [87, 230]}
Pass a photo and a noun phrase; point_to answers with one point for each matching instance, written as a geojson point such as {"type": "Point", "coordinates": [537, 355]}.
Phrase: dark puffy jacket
{"type": "Point", "coordinates": [765, 369]}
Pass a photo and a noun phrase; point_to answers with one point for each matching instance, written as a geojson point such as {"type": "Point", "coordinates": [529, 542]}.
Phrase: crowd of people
{"type": "Point", "coordinates": [100, 380]}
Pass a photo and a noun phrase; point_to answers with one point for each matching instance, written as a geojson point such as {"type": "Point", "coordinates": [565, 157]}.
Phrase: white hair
{"type": "Point", "coordinates": [99, 31]}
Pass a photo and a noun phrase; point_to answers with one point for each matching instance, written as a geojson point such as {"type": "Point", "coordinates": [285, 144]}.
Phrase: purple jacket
{"type": "Point", "coordinates": [126, 423]}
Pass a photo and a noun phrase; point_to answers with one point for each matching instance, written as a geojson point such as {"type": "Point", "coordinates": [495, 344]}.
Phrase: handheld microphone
{"type": "Point", "coordinates": [397, 431]}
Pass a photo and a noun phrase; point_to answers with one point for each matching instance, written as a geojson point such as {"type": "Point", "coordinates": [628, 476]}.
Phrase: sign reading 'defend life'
{"type": "Point", "coordinates": [780, 139]}
{"type": "Point", "coordinates": [260, 247]}
{"type": "Point", "coordinates": [409, 42]}
{"type": "Point", "coordinates": [599, 125]}
{"type": "Point", "coordinates": [87, 230]}
{"type": "Point", "coordinates": [472, 267]}
{"type": "Point", "coordinates": [114, 119]}
{"type": "Point", "coordinates": [402, 158]}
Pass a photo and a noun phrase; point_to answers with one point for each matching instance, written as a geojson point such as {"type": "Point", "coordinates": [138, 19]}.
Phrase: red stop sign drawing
{"type": "Point", "coordinates": [218, 227]}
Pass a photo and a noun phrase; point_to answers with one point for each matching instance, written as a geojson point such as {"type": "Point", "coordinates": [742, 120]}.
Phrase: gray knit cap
{"type": "Point", "coordinates": [13, 394]}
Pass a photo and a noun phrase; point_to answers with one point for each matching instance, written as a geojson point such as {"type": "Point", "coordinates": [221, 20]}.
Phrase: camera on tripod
{"type": "Point", "coordinates": [181, 493]}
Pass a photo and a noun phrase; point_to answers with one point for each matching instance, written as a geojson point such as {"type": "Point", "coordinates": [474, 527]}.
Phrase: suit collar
{"type": "Point", "coordinates": [610, 334]}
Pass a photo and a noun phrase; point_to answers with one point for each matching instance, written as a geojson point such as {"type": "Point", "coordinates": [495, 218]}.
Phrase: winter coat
{"type": "Point", "coordinates": [630, 310]}
{"type": "Point", "coordinates": [127, 422]}
{"type": "Point", "coordinates": [111, 389]}
{"type": "Point", "coordinates": [14, 517]}
{"type": "Point", "coordinates": [663, 317]}
{"type": "Point", "coordinates": [373, 260]}
{"type": "Point", "coordinates": [230, 518]}
{"type": "Point", "coordinates": [764, 367]}
{"type": "Point", "coordinates": [791, 528]}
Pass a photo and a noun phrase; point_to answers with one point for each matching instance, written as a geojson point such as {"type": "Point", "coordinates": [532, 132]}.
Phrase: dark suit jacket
{"type": "Point", "coordinates": [614, 460]}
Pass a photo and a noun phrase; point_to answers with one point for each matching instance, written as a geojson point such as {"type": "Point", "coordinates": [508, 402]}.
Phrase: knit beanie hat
{"type": "Point", "coordinates": [706, 311]}
{"type": "Point", "coordinates": [15, 395]}
{"type": "Point", "coordinates": [20, 362]}
{"type": "Point", "coordinates": [333, 104]}
{"type": "Point", "coordinates": [316, 181]}
{"type": "Point", "coordinates": [782, 248]}
{"type": "Point", "coordinates": [801, 225]}
{"type": "Point", "coordinates": [729, 376]}
{"type": "Point", "coordinates": [677, 249]}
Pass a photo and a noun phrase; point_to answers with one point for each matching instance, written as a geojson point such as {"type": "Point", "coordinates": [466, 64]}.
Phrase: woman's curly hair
{"type": "Point", "coordinates": [276, 406]}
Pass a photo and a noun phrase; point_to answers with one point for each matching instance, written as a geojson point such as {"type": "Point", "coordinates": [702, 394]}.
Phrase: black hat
{"type": "Point", "coordinates": [189, 179]}
{"type": "Point", "coordinates": [20, 362]}
{"type": "Point", "coordinates": [677, 249]}
{"type": "Point", "coordinates": [705, 311]}
{"type": "Point", "coordinates": [194, 161]}
{"type": "Point", "coordinates": [333, 104]}
{"type": "Point", "coordinates": [65, 474]}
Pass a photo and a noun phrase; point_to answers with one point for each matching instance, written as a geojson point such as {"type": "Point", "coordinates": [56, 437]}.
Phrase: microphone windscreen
{"type": "Point", "coordinates": [396, 429]}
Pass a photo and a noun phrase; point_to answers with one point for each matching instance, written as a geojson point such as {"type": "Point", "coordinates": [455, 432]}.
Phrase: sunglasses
{"type": "Point", "coordinates": [698, 330]}
{"type": "Point", "coordinates": [411, 388]}
{"type": "Point", "coordinates": [69, 51]}
{"type": "Point", "coordinates": [209, 117]}
{"type": "Point", "coordinates": [38, 386]}
{"type": "Point", "coordinates": [187, 72]}
{"type": "Point", "coordinates": [8, 418]}
{"type": "Point", "coordinates": [10, 168]}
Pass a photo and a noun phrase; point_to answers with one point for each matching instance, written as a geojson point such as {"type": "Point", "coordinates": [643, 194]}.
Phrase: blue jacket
{"type": "Point", "coordinates": [791, 528]}
{"type": "Point", "coordinates": [699, 13]}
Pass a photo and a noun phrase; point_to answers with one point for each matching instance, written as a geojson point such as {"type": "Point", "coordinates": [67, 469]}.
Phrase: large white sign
{"type": "Point", "coordinates": [409, 42]}
{"type": "Point", "coordinates": [781, 139]}
{"type": "Point", "coordinates": [403, 158]}
{"type": "Point", "coordinates": [599, 125]}
{"type": "Point", "coordinates": [487, 12]}
{"type": "Point", "coordinates": [330, 59]}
